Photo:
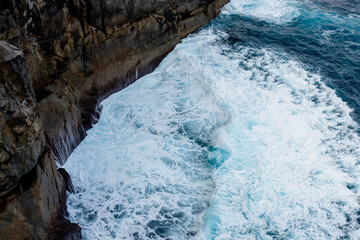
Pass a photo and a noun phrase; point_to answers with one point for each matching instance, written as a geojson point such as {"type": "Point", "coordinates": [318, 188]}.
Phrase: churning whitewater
{"type": "Point", "coordinates": [247, 130]}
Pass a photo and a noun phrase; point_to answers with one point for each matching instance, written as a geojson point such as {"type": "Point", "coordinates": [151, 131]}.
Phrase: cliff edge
{"type": "Point", "coordinates": [77, 53]}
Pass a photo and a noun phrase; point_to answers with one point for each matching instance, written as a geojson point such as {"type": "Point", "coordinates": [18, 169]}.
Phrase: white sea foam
{"type": "Point", "coordinates": [220, 142]}
{"type": "Point", "coordinates": [142, 171]}
{"type": "Point", "coordinates": [284, 152]}
{"type": "Point", "coordinates": [292, 171]}
{"type": "Point", "coordinates": [276, 11]}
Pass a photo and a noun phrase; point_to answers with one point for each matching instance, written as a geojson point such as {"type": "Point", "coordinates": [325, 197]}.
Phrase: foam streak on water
{"type": "Point", "coordinates": [221, 141]}
{"type": "Point", "coordinates": [277, 11]}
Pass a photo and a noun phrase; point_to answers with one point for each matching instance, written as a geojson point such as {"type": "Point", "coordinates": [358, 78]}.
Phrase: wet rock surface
{"type": "Point", "coordinates": [77, 53]}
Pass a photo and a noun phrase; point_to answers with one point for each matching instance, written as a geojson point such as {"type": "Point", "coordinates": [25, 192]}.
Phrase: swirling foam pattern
{"type": "Point", "coordinates": [234, 136]}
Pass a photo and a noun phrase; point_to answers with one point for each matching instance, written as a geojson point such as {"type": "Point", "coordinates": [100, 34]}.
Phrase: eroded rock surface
{"type": "Point", "coordinates": [80, 51]}
{"type": "Point", "coordinates": [77, 52]}
{"type": "Point", "coordinates": [21, 136]}
{"type": "Point", "coordinates": [32, 191]}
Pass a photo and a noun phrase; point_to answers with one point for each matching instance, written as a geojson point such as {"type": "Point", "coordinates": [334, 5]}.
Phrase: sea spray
{"type": "Point", "coordinates": [236, 135]}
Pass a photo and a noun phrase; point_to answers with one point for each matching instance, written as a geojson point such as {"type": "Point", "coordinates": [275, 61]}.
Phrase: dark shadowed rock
{"type": "Point", "coordinates": [21, 136]}
{"type": "Point", "coordinates": [36, 208]}
{"type": "Point", "coordinates": [32, 191]}
{"type": "Point", "coordinates": [67, 179]}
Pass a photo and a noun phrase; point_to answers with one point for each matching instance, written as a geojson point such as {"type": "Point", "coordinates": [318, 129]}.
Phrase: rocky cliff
{"type": "Point", "coordinates": [77, 52]}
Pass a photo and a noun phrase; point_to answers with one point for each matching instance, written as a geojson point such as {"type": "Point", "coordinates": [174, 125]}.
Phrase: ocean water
{"type": "Point", "coordinates": [247, 130]}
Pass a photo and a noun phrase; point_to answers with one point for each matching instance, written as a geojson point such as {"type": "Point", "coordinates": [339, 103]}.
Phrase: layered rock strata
{"type": "Point", "coordinates": [77, 52]}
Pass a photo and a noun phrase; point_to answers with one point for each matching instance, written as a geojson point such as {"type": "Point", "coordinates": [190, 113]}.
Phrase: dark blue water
{"type": "Point", "coordinates": [348, 7]}
{"type": "Point", "coordinates": [249, 129]}
{"type": "Point", "coordinates": [325, 36]}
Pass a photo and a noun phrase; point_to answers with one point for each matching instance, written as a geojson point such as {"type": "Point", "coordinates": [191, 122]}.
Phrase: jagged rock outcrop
{"type": "Point", "coordinates": [22, 139]}
{"type": "Point", "coordinates": [31, 188]}
{"type": "Point", "coordinates": [77, 53]}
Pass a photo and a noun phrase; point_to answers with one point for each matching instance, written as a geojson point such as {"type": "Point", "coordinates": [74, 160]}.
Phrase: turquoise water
{"type": "Point", "coordinates": [247, 130]}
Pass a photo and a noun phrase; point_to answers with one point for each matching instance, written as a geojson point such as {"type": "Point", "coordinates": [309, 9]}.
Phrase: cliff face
{"type": "Point", "coordinates": [77, 52]}
{"type": "Point", "coordinates": [32, 189]}
{"type": "Point", "coordinates": [80, 51]}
